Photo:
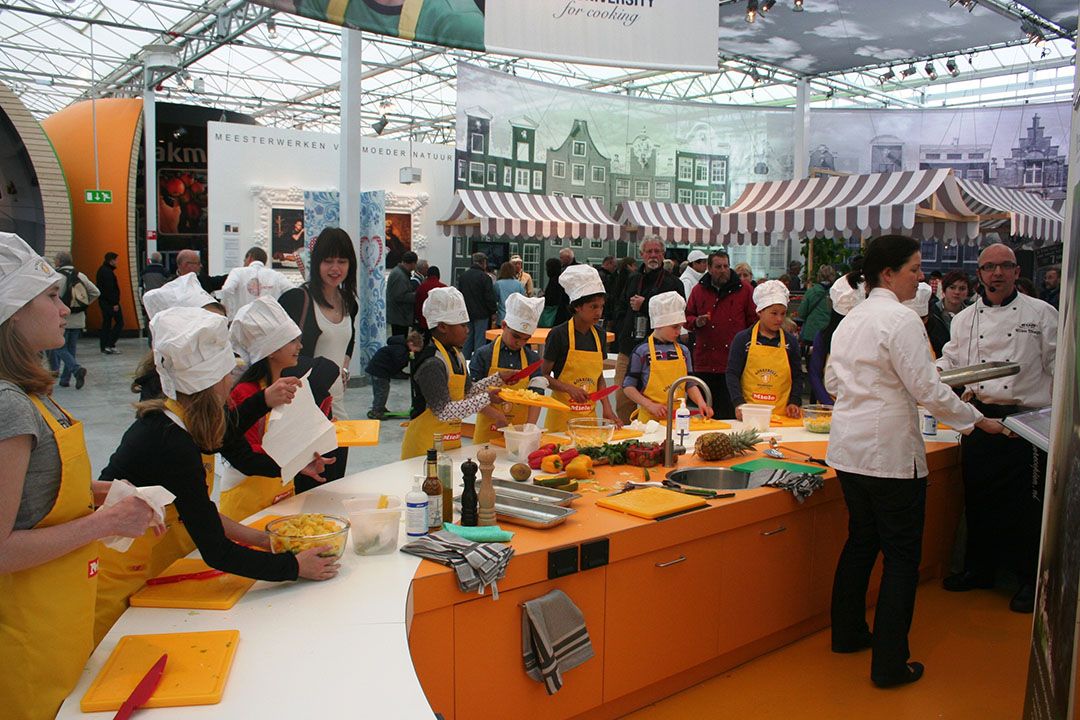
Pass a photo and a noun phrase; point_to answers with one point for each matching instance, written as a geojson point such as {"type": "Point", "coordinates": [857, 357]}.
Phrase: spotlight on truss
{"type": "Point", "coordinates": [950, 65]}
{"type": "Point", "coordinates": [886, 76]}
{"type": "Point", "coordinates": [751, 10]}
{"type": "Point", "coordinates": [908, 71]}
{"type": "Point", "coordinates": [930, 70]}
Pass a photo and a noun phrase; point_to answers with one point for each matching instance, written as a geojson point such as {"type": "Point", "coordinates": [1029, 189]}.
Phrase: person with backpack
{"type": "Point", "coordinates": [77, 293]}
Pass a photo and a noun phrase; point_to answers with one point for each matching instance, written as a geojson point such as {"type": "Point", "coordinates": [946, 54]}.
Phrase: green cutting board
{"type": "Point", "coordinates": [770, 464]}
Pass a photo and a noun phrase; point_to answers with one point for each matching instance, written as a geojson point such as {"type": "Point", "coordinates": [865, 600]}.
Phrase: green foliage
{"type": "Point", "coordinates": [827, 251]}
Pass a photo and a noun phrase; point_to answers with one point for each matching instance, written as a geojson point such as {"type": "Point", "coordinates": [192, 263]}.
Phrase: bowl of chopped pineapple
{"type": "Point", "coordinates": [817, 418]}
{"type": "Point", "coordinates": [296, 533]}
{"type": "Point", "coordinates": [590, 431]}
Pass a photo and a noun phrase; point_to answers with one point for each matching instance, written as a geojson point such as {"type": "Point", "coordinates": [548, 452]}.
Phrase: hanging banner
{"type": "Point", "coordinates": [371, 278]}
{"type": "Point", "coordinates": [662, 34]}
{"type": "Point", "coordinates": [1052, 669]}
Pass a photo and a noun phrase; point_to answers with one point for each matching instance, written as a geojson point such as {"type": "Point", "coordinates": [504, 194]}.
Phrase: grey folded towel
{"type": "Point", "coordinates": [478, 565]}
{"type": "Point", "coordinates": [554, 639]}
{"type": "Point", "coordinates": [801, 485]}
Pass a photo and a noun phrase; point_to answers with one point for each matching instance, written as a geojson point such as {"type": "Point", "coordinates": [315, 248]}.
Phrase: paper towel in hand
{"type": "Point", "coordinates": [297, 431]}
{"type": "Point", "coordinates": [155, 496]}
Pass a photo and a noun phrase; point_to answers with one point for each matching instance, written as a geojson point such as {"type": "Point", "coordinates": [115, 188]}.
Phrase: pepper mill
{"type": "Point", "coordinates": [486, 496]}
{"type": "Point", "coordinates": [468, 495]}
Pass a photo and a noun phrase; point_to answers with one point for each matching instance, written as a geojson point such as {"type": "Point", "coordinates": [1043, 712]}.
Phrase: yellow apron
{"type": "Point", "coordinates": [47, 612]}
{"type": "Point", "coordinates": [766, 379]}
{"type": "Point", "coordinates": [244, 495]}
{"type": "Point", "coordinates": [661, 374]}
{"type": "Point", "coordinates": [582, 368]}
{"type": "Point", "coordinates": [516, 414]}
{"type": "Point", "coordinates": [124, 573]}
{"type": "Point", "coordinates": [422, 429]}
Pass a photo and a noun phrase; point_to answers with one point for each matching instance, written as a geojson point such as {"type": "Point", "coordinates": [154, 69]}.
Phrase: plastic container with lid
{"type": "Point", "coordinates": [522, 440]}
{"type": "Point", "coordinates": [374, 530]}
{"type": "Point", "coordinates": [756, 416]}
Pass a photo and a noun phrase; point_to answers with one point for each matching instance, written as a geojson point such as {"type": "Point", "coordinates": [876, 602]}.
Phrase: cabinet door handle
{"type": "Point", "coordinates": [669, 563]}
{"type": "Point", "coordinates": [777, 531]}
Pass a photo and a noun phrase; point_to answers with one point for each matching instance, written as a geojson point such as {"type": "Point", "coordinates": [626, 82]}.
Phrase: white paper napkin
{"type": "Point", "coordinates": [297, 431]}
{"type": "Point", "coordinates": [155, 496]}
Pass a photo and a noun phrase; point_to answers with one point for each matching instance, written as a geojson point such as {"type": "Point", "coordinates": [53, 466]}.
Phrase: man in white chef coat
{"type": "Point", "coordinates": [1003, 476]}
{"type": "Point", "coordinates": [252, 281]}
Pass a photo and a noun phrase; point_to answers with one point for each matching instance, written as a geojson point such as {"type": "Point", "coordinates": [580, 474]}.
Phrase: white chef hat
{"type": "Point", "coordinates": [523, 313]}
{"type": "Point", "coordinates": [667, 308]}
{"type": "Point", "coordinates": [184, 291]}
{"type": "Point", "coordinates": [580, 281]}
{"type": "Point", "coordinates": [23, 274]}
{"type": "Point", "coordinates": [693, 257]}
{"type": "Point", "coordinates": [770, 292]}
{"type": "Point", "coordinates": [921, 302]}
{"type": "Point", "coordinates": [844, 297]}
{"type": "Point", "coordinates": [260, 328]}
{"type": "Point", "coordinates": [191, 349]}
{"type": "Point", "coordinates": [445, 305]}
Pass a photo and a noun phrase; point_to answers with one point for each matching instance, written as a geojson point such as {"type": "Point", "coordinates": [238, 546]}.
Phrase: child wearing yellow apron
{"type": "Point", "coordinates": [164, 446]}
{"type": "Point", "coordinates": [442, 393]}
{"type": "Point", "coordinates": [574, 352]}
{"type": "Point", "coordinates": [508, 352]}
{"type": "Point", "coordinates": [269, 341]}
{"type": "Point", "coordinates": [661, 360]}
{"type": "Point", "coordinates": [49, 552]}
{"type": "Point", "coordinates": [764, 365]}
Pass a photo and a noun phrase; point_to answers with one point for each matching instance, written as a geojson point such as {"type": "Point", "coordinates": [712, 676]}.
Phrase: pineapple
{"type": "Point", "coordinates": [721, 446]}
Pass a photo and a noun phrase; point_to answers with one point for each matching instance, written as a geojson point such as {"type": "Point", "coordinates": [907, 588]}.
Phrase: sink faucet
{"type": "Point", "coordinates": [669, 446]}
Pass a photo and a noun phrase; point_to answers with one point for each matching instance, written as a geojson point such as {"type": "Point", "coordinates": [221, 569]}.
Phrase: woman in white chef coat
{"type": "Point", "coordinates": [48, 527]}
{"type": "Point", "coordinates": [877, 449]}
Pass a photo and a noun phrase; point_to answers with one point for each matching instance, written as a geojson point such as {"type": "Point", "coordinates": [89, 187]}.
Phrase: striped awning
{"type": "Point", "coordinates": [674, 222]}
{"type": "Point", "coordinates": [480, 212]}
{"type": "Point", "coordinates": [926, 204]}
{"type": "Point", "coordinates": [1027, 215]}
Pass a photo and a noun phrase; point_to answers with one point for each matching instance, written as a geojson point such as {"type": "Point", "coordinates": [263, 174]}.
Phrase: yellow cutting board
{"type": "Point", "coordinates": [216, 593]}
{"type": "Point", "coordinates": [498, 440]}
{"type": "Point", "coordinates": [357, 433]}
{"type": "Point", "coordinates": [542, 401]}
{"type": "Point", "coordinates": [785, 421]}
{"type": "Point", "coordinates": [651, 502]}
{"type": "Point", "coordinates": [698, 424]}
{"type": "Point", "coordinates": [195, 673]}
{"type": "Point", "coordinates": [619, 435]}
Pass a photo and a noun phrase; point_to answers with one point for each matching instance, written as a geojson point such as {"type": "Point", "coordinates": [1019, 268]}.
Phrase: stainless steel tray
{"type": "Point", "coordinates": [969, 374]}
{"type": "Point", "coordinates": [530, 514]}
{"type": "Point", "coordinates": [535, 493]}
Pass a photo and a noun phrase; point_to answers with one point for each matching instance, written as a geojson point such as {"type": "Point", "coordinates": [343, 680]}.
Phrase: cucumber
{"type": "Point", "coordinates": [552, 481]}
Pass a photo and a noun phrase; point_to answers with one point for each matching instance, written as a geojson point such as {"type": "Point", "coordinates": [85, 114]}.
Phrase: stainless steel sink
{"type": "Point", "coordinates": [712, 478]}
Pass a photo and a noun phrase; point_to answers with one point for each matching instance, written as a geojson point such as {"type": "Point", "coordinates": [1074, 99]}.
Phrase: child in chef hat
{"type": "Point", "coordinates": [764, 366]}
{"type": "Point", "coordinates": [509, 351]}
{"type": "Point", "coordinates": [443, 394]}
{"type": "Point", "coordinates": [659, 361]}
{"type": "Point", "coordinates": [269, 341]}
{"type": "Point", "coordinates": [937, 332]}
{"type": "Point", "coordinates": [574, 352]}
{"type": "Point", "coordinates": [171, 443]}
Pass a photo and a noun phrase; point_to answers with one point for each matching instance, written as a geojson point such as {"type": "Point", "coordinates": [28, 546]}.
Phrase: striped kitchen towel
{"type": "Point", "coordinates": [801, 485]}
{"type": "Point", "coordinates": [554, 639]}
{"type": "Point", "coordinates": [477, 565]}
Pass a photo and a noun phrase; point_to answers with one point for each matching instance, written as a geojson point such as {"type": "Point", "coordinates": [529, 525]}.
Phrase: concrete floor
{"type": "Point", "coordinates": [104, 405]}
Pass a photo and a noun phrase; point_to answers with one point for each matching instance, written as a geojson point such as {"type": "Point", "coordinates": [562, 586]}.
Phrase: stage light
{"type": "Point", "coordinates": [379, 125]}
{"type": "Point", "coordinates": [886, 77]}
{"type": "Point", "coordinates": [931, 71]}
{"type": "Point", "coordinates": [950, 65]}
{"type": "Point", "coordinates": [751, 10]}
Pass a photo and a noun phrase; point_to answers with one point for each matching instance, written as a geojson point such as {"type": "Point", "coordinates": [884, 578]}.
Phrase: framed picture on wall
{"type": "Point", "coordinates": [497, 252]}
{"type": "Point", "coordinates": [182, 202]}
{"type": "Point", "coordinates": [286, 236]}
{"type": "Point", "coordinates": [398, 237]}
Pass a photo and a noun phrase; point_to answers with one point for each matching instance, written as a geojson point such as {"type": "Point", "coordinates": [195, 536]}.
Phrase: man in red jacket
{"type": "Point", "coordinates": [719, 306]}
{"type": "Point", "coordinates": [427, 286]}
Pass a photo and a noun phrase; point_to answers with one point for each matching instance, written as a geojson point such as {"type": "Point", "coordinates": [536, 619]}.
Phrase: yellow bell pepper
{"type": "Point", "coordinates": [579, 468]}
{"type": "Point", "coordinates": [551, 464]}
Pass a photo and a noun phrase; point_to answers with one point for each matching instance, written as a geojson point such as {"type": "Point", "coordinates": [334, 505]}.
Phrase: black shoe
{"type": "Point", "coordinates": [80, 378]}
{"type": "Point", "coordinates": [967, 580]}
{"type": "Point", "coordinates": [63, 384]}
{"type": "Point", "coordinates": [115, 351]}
{"type": "Point", "coordinates": [914, 672]}
{"type": "Point", "coordinates": [1024, 599]}
{"type": "Point", "coordinates": [372, 415]}
{"type": "Point", "coordinates": [861, 643]}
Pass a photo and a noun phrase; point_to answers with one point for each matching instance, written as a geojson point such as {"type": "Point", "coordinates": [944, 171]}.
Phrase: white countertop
{"type": "Point", "coordinates": [308, 647]}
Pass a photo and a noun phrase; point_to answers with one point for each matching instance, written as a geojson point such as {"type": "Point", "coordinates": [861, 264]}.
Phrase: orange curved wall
{"type": "Point", "coordinates": [98, 229]}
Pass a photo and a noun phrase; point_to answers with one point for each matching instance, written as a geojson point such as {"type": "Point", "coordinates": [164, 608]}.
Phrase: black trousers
{"type": "Point", "coordinates": [1003, 489]}
{"type": "Point", "coordinates": [112, 323]}
{"type": "Point", "coordinates": [399, 330]}
{"type": "Point", "coordinates": [302, 483]}
{"type": "Point", "coordinates": [721, 400]}
{"type": "Point", "coordinates": [884, 515]}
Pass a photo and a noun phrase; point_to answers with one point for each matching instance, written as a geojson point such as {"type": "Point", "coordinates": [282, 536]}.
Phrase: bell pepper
{"type": "Point", "coordinates": [568, 455]}
{"type": "Point", "coordinates": [543, 451]}
{"type": "Point", "coordinates": [551, 464]}
{"type": "Point", "coordinates": [579, 468]}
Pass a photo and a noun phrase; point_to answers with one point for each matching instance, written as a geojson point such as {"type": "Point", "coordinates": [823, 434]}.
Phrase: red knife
{"type": "Point", "coordinates": [524, 373]}
{"type": "Point", "coordinates": [166, 579]}
{"type": "Point", "coordinates": [143, 690]}
{"type": "Point", "coordinates": [601, 394]}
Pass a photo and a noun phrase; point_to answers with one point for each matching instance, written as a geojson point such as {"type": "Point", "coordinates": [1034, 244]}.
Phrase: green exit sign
{"type": "Point", "coordinates": [103, 197]}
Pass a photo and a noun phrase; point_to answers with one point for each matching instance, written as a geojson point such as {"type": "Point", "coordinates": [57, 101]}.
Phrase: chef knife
{"type": "Point", "coordinates": [166, 579]}
{"type": "Point", "coordinates": [523, 373]}
{"type": "Point", "coordinates": [601, 394]}
{"type": "Point", "coordinates": [143, 690]}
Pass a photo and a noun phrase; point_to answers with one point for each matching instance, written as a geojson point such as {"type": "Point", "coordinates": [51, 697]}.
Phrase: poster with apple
{"type": "Point", "coordinates": [182, 202]}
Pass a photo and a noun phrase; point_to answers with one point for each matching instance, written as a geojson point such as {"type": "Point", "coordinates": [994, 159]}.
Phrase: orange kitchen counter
{"type": "Point", "coordinates": [679, 601]}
